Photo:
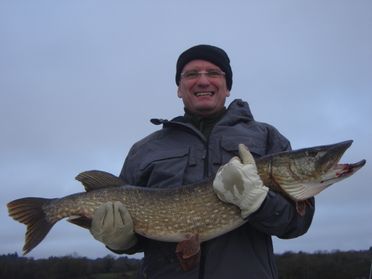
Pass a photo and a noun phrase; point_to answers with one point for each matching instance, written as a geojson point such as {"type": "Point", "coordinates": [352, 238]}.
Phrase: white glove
{"type": "Point", "coordinates": [113, 226]}
{"type": "Point", "coordinates": [238, 183]}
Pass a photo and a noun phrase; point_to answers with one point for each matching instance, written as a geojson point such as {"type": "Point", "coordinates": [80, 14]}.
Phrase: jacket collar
{"type": "Point", "coordinates": [237, 111]}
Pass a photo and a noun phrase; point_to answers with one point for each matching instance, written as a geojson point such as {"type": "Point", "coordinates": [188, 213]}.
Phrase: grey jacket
{"type": "Point", "coordinates": [179, 154]}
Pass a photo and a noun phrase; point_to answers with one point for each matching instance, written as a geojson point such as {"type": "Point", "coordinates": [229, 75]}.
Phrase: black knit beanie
{"type": "Point", "coordinates": [209, 53]}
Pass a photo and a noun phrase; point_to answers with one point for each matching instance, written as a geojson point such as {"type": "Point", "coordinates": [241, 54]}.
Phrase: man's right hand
{"type": "Point", "coordinates": [113, 226]}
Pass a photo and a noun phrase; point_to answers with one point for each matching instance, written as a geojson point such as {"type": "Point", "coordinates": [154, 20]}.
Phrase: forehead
{"type": "Point", "coordinates": [200, 65]}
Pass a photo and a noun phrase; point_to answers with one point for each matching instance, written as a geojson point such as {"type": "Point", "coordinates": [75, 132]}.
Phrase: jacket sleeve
{"type": "Point", "coordinates": [278, 216]}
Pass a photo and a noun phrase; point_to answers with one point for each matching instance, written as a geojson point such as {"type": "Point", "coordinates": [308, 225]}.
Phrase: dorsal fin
{"type": "Point", "coordinates": [95, 179]}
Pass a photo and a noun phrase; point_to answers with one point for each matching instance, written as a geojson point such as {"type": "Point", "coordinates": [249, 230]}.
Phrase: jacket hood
{"type": "Point", "coordinates": [238, 110]}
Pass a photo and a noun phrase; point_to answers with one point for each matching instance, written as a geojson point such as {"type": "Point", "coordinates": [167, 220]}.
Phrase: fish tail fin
{"type": "Point", "coordinates": [29, 211]}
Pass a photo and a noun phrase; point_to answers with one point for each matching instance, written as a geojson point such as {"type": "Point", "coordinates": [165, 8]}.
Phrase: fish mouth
{"type": "Point", "coordinates": [330, 155]}
{"type": "Point", "coordinates": [329, 162]}
{"type": "Point", "coordinates": [341, 171]}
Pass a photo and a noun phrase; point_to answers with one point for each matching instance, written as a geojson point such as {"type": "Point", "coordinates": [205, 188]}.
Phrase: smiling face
{"type": "Point", "coordinates": [203, 95]}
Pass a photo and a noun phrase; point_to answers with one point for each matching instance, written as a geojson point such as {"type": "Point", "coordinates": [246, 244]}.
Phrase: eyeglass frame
{"type": "Point", "coordinates": [213, 73]}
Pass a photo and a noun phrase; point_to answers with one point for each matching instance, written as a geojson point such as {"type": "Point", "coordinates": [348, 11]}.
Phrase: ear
{"type": "Point", "coordinates": [179, 92]}
{"type": "Point", "coordinates": [228, 93]}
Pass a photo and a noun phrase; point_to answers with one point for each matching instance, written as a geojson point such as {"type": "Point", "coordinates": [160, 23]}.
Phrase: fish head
{"type": "Point", "coordinates": [310, 163]}
{"type": "Point", "coordinates": [311, 170]}
{"type": "Point", "coordinates": [303, 190]}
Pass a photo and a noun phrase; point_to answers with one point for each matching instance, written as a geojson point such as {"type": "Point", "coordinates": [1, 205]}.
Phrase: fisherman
{"type": "Point", "coordinates": [201, 144]}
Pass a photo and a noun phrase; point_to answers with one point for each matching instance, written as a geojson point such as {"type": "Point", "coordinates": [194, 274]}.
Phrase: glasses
{"type": "Point", "coordinates": [193, 74]}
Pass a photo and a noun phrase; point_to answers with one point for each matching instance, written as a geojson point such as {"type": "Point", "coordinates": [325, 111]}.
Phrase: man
{"type": "Point", "coordinates": [191, 148]}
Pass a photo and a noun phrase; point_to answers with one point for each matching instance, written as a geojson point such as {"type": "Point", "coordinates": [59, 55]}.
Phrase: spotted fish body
{"type": "Point", "coordinates": [162, 214]}
{"type": "Point", "coordinates": [175, 214]}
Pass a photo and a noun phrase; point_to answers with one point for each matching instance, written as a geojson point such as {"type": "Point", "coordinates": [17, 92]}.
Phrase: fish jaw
{"type": "Point", "coordinates": [304, 190]}
{"type": "Point", "coordinates": [340, 172]}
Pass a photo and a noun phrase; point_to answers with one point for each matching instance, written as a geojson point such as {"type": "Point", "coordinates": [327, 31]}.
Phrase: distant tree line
{"type": "Point", "coordinates": [325, 265]}
{"type": "Point", "coordinates": [14, 267]}
{"type": "Point", "coordinates": [319, 265]}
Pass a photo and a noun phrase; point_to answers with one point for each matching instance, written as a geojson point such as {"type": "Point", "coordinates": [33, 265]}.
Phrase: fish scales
{"type": "Point", "coordinates": [162, 214]}
{"type": "Point", "coordinates": [177, 213]}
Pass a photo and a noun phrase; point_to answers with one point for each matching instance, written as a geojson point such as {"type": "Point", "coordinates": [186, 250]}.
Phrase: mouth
{"type": "Point", "coordinates": [204, 93]}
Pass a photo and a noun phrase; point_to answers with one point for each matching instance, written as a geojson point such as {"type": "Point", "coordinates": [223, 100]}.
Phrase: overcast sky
{"type": "Point", "coordinates": [79, 81]}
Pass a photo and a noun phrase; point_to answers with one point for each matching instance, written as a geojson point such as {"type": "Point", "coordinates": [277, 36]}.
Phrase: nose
{"type": "Point", "coordinates": [203, 80]}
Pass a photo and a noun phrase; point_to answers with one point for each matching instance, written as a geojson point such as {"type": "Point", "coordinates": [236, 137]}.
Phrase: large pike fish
{"type": "Point", "coordinates": [178, 214]}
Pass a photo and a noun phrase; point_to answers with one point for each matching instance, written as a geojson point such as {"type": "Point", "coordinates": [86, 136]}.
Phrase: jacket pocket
{"type": "Point", "coordinates": [229, 148]}
{"type": "Point", "coordinates": [165, 168]}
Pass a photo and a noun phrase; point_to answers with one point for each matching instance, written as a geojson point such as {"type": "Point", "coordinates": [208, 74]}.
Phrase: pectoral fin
{"type": "Point", "coordinates": [81, 221]}
{"type": "Point", "coordinates": [188, 252]}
